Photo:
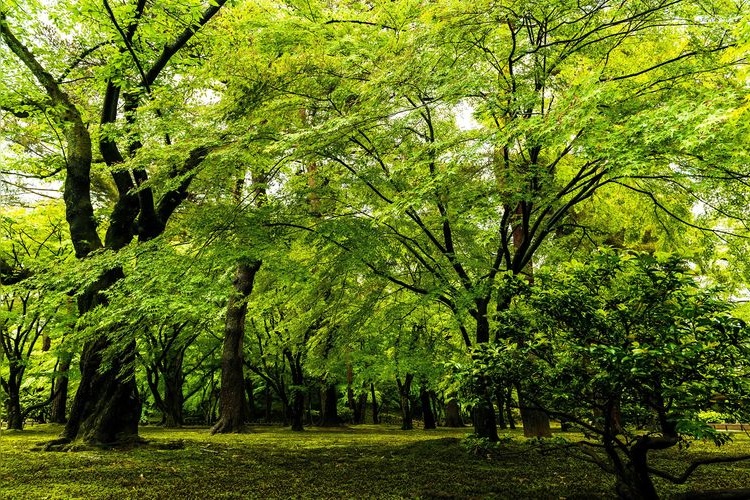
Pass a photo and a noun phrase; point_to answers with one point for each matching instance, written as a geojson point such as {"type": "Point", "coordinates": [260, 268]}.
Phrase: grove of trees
{"type": "Point", "coordinates": [321, 212]}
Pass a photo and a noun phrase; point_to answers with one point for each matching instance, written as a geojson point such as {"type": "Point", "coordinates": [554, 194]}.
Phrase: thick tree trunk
{"type": "Point", "coordinates": [174, 399]}
{"type": "Point", "coordinates": [535, 422]}
{"type": "Point", "coordinates": [453, 414]}
{"type": "Point", "coordinates": [427, 415]}
{"type": "Point", "coordinates": [13, 408]}
{"type": "Point", "coordinates": [232, 403]}
{"type": "Point", "coordinates": [483, 417]}
{"type": "Point", "coordinates": [106, 408]}
{"type": "Point", "coordinates": [58, 414]}
{"type": "Point", "coordinates": [375, 416]}
{"type": "Point", "coordinates": [404, 391]}
{"type": "Point", "coordinates": [329, 416]}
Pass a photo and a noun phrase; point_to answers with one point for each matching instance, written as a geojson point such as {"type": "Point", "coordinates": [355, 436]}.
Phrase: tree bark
{"type": "Point", "coordinates": [58, 414]}
{"type": "Point", "coordinates": [250, 393]}
{"type": "Point", "coordinates": [535, 422]}
{"type": "Point", "coordinates": [13, 408]}
{"type": "Point", "coordinates": [106, 408]}
{"type": "Point", "coordinates": [232, 403]}
{"type": "Point", "coordinates": [483, 417]}
{"type": "Point", "coordinates": [297, 390]}
{"type": "Point", "coordinates": [453, 414]}
{"type": "Point", "coordinates": [427, 414]}
{"type": "Point", "coordinates": [174, 399]}
{"type": "Point", "coordinates": [329, 416]}
{"type": "Point", "coordinates": [404, 391]}
{"type": "Point", "coordinates": [500, 400]}
{"type": "Point", "coordinates": [375, 416]}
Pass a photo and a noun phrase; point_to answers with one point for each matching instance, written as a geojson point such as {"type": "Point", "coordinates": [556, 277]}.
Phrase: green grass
{"type": "Point", "coordinates": [357, 462]}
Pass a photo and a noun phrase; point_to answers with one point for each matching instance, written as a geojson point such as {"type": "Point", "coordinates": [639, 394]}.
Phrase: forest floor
{"type": "Point", "coordinates": [349, 462]}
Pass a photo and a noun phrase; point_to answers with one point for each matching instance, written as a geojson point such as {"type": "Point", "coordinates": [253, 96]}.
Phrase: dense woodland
{"type": "Point", "coordinates": [423, 212]}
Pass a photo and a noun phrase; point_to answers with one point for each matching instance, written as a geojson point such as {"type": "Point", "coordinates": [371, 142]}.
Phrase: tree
{"type": "Point", "coordinates": [621, 336]}
{"type": "Point", "coordinates": [466, 138]}
{"type": "Point", "coordinates": [139, 43]}
{"type": "Point", "coordinates": [32, 244]}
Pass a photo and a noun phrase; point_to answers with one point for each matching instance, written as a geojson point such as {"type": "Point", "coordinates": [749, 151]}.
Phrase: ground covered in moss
{"type": "Point", "coordinates": [355, 462]}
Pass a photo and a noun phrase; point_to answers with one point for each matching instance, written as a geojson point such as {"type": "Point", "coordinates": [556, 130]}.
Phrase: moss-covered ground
{"type": "Point", "coordinates": [355, 462]}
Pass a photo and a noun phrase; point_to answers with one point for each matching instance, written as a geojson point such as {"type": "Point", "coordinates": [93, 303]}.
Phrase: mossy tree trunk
{"type": "Point", "coordinates": [12, 404]}
{"type": "Point", "coordinates": [232, 403]}
{"type": "Point", "coordinates": [106, 408]}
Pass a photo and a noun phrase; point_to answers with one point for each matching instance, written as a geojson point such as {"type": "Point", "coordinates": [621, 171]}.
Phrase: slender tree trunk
{"type": "Point", "coordinates": [509, 407]}
{"type": "Point", "coordinates": [297, 390]}
{"type": "Point", "coordinates": [500, 400]}
{"type": "Point", "coordinates": [250, 393]}
{"type": "Point", "coordinates": [404, 391]}
{"type": "Point", "coordinates": [232, 404]}
{"type": "Point", "coordinates": [483, 413]}
{"type": "Point", "coordinates": [427, 415]}
{"type": "Point", "coordinates": [174, 400]}
{"type": "Point", "coordinates": [58, 414]}
{"type": "Point", "coordinates": [329, 416]}
{"type": "Point", "coordinates": [268, 397]}
{"type": "Point", "coordinates": [453, 414]}
{"type": "Point", "coordinates": [360, 408]}
{"type": "Point", "coordinates": [375, 416]}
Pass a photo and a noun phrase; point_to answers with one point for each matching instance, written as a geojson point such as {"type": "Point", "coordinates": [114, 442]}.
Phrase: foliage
{"type": "Point", "coordinates": [629, 348]}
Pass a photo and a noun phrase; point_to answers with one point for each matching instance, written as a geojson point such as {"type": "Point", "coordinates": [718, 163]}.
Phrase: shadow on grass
{"type": "Point", "coordinates": [272, 462]}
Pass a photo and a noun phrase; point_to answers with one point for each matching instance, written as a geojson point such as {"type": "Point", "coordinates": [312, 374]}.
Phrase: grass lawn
{"type": "Point", "coordinates": [358, 462]}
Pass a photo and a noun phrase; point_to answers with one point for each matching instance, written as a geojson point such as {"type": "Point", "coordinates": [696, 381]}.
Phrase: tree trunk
{"type": "Point", "coordinates": [232, 403]}
{"type": "Point", "coordinates": [360, 408]}
{"type": "Point", "coordinates": [106, 408]}
{"type": "Point", "coordinates": [509, 407]}
{"type": "Point", "coordinates": [453, 414]}
{"type": "Point", "coordinates": [375, 416]}
{"type": "Point", "coordinates": [297, 409]}
{"type": "Point", "coordinates": [500, 400]}
{"type": "Point", "coordinates": [483, 417]}
{"type": "Point", "coordinates": [297, 390]}
{"type": "Point", "coordinates": [535, 422]}
{"type": "Point", "coordinates": [250, 393]}
{"type": "Point", "coordinates": [268, 397]}
{"type": "Point", "coordinates": [13, 407]}
{"type": "Point", "coordinates": [174, 400]}
{"type": "Point", "coordinates": [58, 414]}
{"type": "Point", "coordinates": [329, 416]}
{"type": "Point", "coordinates": [633, 478]}
{"type": "Point", "coordinates": [404, 391]}
{"type": "Point", "coordinates": [427, 415]}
